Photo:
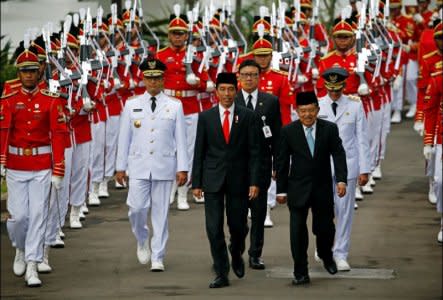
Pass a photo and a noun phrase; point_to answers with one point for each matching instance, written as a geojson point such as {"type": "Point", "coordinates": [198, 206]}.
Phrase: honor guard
{"type": "Point", "coordinates": [33, 132]}
{"type": "Point", "coordinates": [152, 151]}
{"type": "Point", "coordinates": [184, 82]}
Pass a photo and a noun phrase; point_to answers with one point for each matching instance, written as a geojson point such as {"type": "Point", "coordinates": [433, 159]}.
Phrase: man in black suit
{"type": "Point", "coordinates": [267, 108]}
{"type": "Point", "coordinates": [227, 165]}
{"type": "Point", "coordinates": [304, 181]}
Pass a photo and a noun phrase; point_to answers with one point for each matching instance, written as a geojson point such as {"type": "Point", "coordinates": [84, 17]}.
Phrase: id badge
{"type": "Point", "coordinates": [267, 131]}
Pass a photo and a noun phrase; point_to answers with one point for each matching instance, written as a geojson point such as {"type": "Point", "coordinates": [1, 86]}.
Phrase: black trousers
{"type": "Point", "coordinates": [236, 215]}
{"type": "Point", "coordinates": [323, 228]}
{"type": "Point", "coordinates": [258, 215]}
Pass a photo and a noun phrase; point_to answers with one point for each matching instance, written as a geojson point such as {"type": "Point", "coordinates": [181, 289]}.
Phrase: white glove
{"type": "Point", "coordinates": [88, 106]}
{"type": "Point", "coordinates": [105, 83]}
{"type": "Point", "coordinates": [301, 79]}
{"type": "Point", "coordinates": [2, 171]}
{"type": "Point", "coordinates": [418, 18]}
{"type": "Point", "coordinates": [398, 83]}
{"type": "Point", "coordinates": [315, 73]}
{"type": "Point", "coordinates": [363, 89]}
{"type": "Point", "coordinates": [191, 79]}
{"type": "Point", "coordinates": [117, 83]}
{"type": "Point", "coordinates": [419, 127]}
{"type": "Point", "coordinates": [428, 150]}
{"type": "Point", "coordinates": [57, 181]}
{"type": "Point", "coordinates": [131, 84]}
{"type": "Point", "coordinates": [210, 86]}
{"type": "Point", "coordinates": [406, 48]}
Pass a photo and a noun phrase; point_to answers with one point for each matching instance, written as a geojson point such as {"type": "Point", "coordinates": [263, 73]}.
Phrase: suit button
{"type": "Point", "coordinates": [29, 122]}
{"type": "Point", "coordinates": [152, 130]}
{"type": "Point", "coordinates": [152, 141]}
{"type": "Point", "coordinates": [152, 152]}
{"type": "Point", "coordinates": [28, 133]}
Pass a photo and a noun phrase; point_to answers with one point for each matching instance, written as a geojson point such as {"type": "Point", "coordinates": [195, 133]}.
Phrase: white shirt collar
{"type": "Point", "coordinates": [314, 129]}
{"type": "Point", "coordinates": [254, 97]}
{"type": "Point", "coordinates": [222, 110]}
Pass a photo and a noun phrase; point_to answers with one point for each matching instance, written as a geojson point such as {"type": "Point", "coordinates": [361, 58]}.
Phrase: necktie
{"type": "Point", "coordinates": [334, 107]}
{"type": "Point", "coordinates": [153, 104]}
{"type": "Point", "coordinates": [226, 126]}
{"type": "Point", "coordinates": [249, 104]}
{"type": "Point", "coordinates": [310, 140]}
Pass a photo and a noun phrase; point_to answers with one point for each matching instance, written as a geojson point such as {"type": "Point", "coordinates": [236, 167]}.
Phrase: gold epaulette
{"type": "Point", "coordinates": [281, 72]}
{"type": "Point", "coordinates": [50, 94]}
{"type": "Point", "coordinates": [327, 55]}
{"type": "Point", "coordinates": [12, 80]}
{"type": "Point", "coordinates": [9, 95]}
{"type": "Point", "coordinates": [354, 98]}
{"type": "Point", "coordinates": [162, 49]}
{"type": "Point", "coordinates": [430, 54]}
{"type": "Point", "coordinates": [437, 73]}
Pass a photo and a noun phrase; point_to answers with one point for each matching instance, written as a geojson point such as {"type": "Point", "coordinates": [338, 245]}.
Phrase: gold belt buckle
{"type": "Point", "coordinates": [178, 93]}
{"type": "Point", "coordinates": [27, 151]}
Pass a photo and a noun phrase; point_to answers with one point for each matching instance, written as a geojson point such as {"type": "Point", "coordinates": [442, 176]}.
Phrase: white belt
{"type": "Point", "coordinates": [203, 96]}
{"type": "Point", "coordinates": [180, 94]}
{"type": "Point", "coordinates": [29, 151]}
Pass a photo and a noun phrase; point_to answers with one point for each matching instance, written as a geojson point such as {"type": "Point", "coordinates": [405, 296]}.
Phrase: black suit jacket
{"type": "Point", "coordinates": [308, 181]}
{"type": "Point", "coordinates": [268, 112]}
{"type": "Point", "coordinates": [238, 163]}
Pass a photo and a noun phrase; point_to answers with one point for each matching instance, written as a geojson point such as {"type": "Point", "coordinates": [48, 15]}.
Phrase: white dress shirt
{"type": "Point", "coordinates": [222, 114]}
{"type": "Point", "coordinates": [314, 129]}
{"type": "Point", "coordinates": [254, 97]}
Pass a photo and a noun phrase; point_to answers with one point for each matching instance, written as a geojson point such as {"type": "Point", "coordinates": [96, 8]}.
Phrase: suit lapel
{"type": "Point", "coordinates": [318, 136]}
{"type": "Point", "coordinates": [240, 99]}
{"type": "Point", "coordinates": [341, 108]}
{"type": "Point", "coordinates": [234, 128]}
{"type": "Point", "coordinates": [218, 125]}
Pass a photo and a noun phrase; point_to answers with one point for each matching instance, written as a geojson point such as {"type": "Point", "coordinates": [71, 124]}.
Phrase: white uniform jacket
{"type": "Point", "coordinates": [353, 130]}
{"type": "Point", "coordinates": [152, 145]}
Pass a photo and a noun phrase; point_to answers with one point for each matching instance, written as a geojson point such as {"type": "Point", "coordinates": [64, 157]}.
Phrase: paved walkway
{"type": "Point", "coordinates": [394, 253]}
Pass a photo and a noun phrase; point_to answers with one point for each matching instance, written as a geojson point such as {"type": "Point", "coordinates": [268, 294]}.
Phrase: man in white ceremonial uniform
{"type": "Point", "coordinates": [152, 149]}
{"type": "Point", "coordinates": [352, 125]}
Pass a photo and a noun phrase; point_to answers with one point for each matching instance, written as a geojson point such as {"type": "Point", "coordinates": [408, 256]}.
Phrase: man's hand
{"type": "Point", "coordinates": [120, 176]}
{"type": "Point", "coordinates": [57, 181]}
{"type": "Point", "coordinates": [341, 189]}
{"type": "Point", "coordinates": [363, 179]}
{"type": "Point", "coordinates": [198, 193]}
{"type": "Point", "coordinates": [282, 199]}
{"type": "Point", "coordinates": [253, 192]}
{"type": "Point", "coordinates": [428, 150]}
{"type": "Point", "coordinates": [181, 178]}
{"type": "Point", "coordinates": [2, 171]}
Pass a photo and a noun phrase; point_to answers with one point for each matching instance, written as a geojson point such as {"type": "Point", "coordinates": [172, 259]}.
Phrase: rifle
{"type": "Point", "coordinates": [362, 55]}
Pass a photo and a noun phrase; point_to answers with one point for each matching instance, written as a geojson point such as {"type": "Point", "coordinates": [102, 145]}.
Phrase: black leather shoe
{"type": "Point", "coordinates": [256, 263]}
{"type": "Point", "coordinates": [219, 282]}
{"type": "Point", "coordinates": [299, 280]}
{"type": "Point", "coordinates": [238, 266]}
{"type": "Point", "coordinates": [330, 266]}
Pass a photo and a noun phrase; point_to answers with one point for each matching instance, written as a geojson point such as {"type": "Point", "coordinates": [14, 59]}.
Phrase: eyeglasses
{"type": "Point", "coordinates": [246, 75]}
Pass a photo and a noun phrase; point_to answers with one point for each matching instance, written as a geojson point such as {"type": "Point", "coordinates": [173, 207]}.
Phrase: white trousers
{"type": "Point", "coordinates": [411, 81]}
{"type": "Point", "coordinates": [28, 196]}
{"type": "Point", "coordinates": [344, 214]}
{"type": "Point", "coordinates": [97, 153]}
{"type": "Point", "coordinates": [79, 174]}
{"type": "Point", "coordinates": [430, 166]}
{"type": "Point", "coordinates": [397, 99]}
{"type": "Point", "coordinates": [272, 193]}
{"type": "Point", "coordinates": [191, 134]}
{"type": "Point", "coordinates": [438, 177]}
{"type": "Point", "coordinates": [386, 128]}
{"type": "Point", "coordinates": [375, 120]}
{"type": "Point", "coordinates": [111, 141]}
{"type": "Point", "coordinates": [152, 196]}
{"type": "Point", "coordinates": [65, 191]}
{"type": "Point", "coordinates": [54, 217]}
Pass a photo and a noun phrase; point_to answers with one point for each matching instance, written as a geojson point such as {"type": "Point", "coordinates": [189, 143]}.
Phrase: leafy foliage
{"type": "Point", "coordinates": [8, 70]}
